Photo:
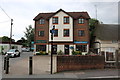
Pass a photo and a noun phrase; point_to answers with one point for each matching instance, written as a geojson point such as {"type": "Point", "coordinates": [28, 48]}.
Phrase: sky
{"type": "Point", "coordinates": [23, 11]}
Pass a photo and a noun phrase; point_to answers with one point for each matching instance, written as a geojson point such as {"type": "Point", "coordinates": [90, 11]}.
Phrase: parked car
{"type": "Point", "coordinates": [25, 49]}
{"type": "Point", "coordinates": [13, 53]}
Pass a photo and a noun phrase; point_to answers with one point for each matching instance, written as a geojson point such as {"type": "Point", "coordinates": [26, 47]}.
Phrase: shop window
{"type": "Point", "coordinates": [82, 48]}
{"type": "Point", "coordinates": [40, 47]}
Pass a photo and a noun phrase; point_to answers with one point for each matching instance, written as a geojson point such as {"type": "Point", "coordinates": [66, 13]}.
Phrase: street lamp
{"type": "Point", "coordinates": [52, 31]}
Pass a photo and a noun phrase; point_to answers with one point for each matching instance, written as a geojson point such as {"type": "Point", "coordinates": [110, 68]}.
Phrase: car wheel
{"type": "Point", "coordinates": [19, 55]}
{"type": "Point", "coordinates": [14, 55]}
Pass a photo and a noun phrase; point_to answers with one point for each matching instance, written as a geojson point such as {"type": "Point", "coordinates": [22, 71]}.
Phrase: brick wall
{"type": "Point", "coordinates": [67, 63]}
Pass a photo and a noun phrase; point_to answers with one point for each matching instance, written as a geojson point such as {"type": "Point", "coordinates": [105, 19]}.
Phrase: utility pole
{"type": "Point", "coordinates": [11, 33]}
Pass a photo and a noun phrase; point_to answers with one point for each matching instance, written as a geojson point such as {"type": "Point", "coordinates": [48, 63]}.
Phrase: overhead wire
{"type": "Point", "coordinates": [5, 12]}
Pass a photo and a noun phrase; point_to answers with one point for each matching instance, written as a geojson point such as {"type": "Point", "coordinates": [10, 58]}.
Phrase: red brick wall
{"type": "Point", "coordinates": [43, 27]}
{"type": "Point", "coordinates": [67, 63]}
{"type": "Point", "coordinates": [77, 27]}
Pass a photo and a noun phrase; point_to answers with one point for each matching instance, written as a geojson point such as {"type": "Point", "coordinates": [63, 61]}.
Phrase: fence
{"type": "Point", "coordinates": [79, 62]}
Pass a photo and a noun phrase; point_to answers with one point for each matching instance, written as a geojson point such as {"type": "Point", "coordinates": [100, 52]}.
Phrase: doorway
{"type": "Point", "coordinates": [66, 48]}
{"type": "Point", "coordinates": [54, 49]}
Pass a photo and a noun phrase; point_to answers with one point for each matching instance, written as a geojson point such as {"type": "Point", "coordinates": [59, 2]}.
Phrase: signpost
{"type": "Point", "coordinates": [52, 32]}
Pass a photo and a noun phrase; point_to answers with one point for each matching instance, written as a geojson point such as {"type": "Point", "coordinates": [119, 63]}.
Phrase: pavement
{"type": "Point", "coordinates": [41, 70]}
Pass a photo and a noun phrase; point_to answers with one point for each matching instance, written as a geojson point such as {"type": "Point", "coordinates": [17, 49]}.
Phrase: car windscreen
{"type": "Point", "coordinates": [11, 50]}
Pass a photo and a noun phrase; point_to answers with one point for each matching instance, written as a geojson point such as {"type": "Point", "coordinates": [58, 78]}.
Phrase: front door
{"type": "Point", "coordinates": [54, 49]}
{"type": "Point", "coordinates": [66, 47]}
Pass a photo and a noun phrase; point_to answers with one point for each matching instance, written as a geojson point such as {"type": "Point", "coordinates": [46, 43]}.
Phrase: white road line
{"type": "Point", "coordinates": [106, 77]}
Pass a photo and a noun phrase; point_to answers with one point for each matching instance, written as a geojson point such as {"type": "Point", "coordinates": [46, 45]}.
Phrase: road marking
{"type": "Point", "coordinates": [106, 77]}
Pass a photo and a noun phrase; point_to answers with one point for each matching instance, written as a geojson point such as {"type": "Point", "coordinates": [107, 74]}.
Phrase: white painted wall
{"type": "Point", "coordinates": [6, 47]}
{"type": "Point", "coordinates": [107, 44]}
{"type": "Point", "coordinates": [61, 26]}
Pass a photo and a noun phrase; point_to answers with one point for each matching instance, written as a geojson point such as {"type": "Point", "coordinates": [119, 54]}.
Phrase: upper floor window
{"type": "Point", "coordinates": [66, 32]}
{"type": "Point", "coordinates": [81, 21]}
{"type": "Point", "coordinates": [81, 33]}
{"type": "Point", "coordinates": [66, 20]}
{"type": "Point", "coordinates": [55, 20]}
{"type": "Point", "coordinates": [42, 21]}
{"type": "Point", "coordinates": [56, 33]}
{"type": "Point", "coordinates": [41, 33]}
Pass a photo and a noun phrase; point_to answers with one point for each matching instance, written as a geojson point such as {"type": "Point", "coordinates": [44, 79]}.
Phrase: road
{"type": "Point", "coordinates": [22, 56]}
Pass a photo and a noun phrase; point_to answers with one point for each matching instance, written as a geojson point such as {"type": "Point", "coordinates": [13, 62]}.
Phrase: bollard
{"type": "Point", "coordinates": [4, 63]}
{"type": "Point", "coordinates": [30, 65]}
{"type": "Point", "coordinates": [7, 65]}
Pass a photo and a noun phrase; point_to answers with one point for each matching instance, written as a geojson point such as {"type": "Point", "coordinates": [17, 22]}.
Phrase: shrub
{"type": "Point", "coordinates": [60, 52]}
{"type": "Point", "coordinates": [76, 52]}
{"type": "Point", "coordinates": [41, 53]}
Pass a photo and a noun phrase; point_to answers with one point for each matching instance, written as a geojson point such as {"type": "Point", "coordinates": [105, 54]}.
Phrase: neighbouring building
{"type": "Point", "coordinates": [71, 31]}
{"type": "Point", "coordinates": [107, 40]}
{"type": "Point", "coordinates": [5, 46]}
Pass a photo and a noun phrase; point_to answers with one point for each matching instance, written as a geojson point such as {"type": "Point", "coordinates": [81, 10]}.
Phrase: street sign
{"type": "Point", "coordinates": [52, 31]}
{"type": "Point", "coordinates": [80, 42]}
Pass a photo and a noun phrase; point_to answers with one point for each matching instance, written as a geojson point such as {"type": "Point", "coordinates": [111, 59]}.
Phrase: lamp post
{"type": "Point", "coordinates": [52, 32]}
{"type": "Point", "coordinates": [11, 33]}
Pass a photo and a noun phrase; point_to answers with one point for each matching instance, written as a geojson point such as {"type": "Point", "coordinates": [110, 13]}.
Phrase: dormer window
{"type": "Point", "coordinates": [81, 21]}
{"type": "Point", "coordinates": [42, 21]}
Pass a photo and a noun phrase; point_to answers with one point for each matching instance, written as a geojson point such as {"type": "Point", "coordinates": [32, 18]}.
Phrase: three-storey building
{"type": "Point", "coordinates": [71, 31]}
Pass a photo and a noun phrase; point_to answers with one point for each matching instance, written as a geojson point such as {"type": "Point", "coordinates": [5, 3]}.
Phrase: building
{"type": "Point", "coordinates": [71, 31]}
{"type": "Point", "coordinates": [107, 42]}
{"type": "Point", "coordinates": [5, 46]}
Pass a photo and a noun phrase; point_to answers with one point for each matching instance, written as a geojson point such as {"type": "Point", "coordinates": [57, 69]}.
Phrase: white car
{"type": "Point", "coordinates": [13, 53]}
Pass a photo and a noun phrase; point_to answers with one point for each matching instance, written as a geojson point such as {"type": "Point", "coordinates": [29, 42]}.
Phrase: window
{"type": "Point", "coordinates": [40, 47]}
{"type": "Point", "coordinates": [56, 33]}
{"type": "Point", "coordinates": [81, 33]}
{"type": "Point", "coordinates": [55, 20]}
{"type": "Point", "coordinates": [82, 48]}
{"type": "Point", "coordinates": [66, 32]}
{"type": "Point", "coordinates": [41, 33]}
{"type": "Point", "coordinates": [42, 21]}
{"type": "Point", "coordinates": [81, 21]}
{"type": "Point", "coordinates": [66, 20]}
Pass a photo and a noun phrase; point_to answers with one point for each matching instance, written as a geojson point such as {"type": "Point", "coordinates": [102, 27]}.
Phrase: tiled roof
{"type": "Point", "coordinates": [107, 32]}
{"type": "Point", "coordinates": [74, 15]}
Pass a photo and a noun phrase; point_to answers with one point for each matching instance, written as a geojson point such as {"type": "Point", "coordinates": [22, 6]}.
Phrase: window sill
{"type": "Point", "coordinates": [66, 23]}
{"type": "Point", "coordinates": [66, 36]}
{"type": "Point", "coordinates": [55, 23]}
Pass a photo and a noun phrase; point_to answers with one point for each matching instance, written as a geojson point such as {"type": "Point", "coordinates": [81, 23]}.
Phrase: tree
{"type": "Point", "coordinates": [6, 39]}
{"type": "Point", "coordinates": [29, 34]}
{"type": "Point", "coordinates": [22, 41]}
{"type": "Point", "coordinates": [93, 24]}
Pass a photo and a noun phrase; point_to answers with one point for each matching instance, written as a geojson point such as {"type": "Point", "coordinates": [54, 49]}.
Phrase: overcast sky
{"type": "Point", "coordinates": [23, 12]}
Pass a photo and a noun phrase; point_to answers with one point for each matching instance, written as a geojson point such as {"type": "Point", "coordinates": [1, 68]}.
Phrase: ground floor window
{"type": "Point", "coordinates": [82, 48]}
{"type": "Point", "coordinates": [110, 56]}
{"type": "Point", "coordinates": [40, 47]}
